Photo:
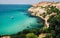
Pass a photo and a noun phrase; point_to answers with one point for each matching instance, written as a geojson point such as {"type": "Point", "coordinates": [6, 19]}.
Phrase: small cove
{"type": "Point", "coordinates": [21, 19]}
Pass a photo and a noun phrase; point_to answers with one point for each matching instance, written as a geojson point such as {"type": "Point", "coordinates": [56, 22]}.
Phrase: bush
{"type": "Point", "coordinates": [31, 35]}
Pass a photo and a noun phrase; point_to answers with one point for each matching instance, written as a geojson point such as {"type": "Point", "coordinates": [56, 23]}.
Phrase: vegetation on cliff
{"type": "Point", "coordinates": [53, 14]}
{"type": "Point", "coordinates": [53, 31]}
{"type": "Point", "coordinates": [54, 21]}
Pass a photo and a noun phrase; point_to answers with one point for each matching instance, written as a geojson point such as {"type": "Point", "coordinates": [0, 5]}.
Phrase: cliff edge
{"type": "Point", "coordinates": [44, 10]}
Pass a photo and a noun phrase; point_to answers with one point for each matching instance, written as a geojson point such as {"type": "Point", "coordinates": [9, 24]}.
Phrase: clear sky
{"type": "Point", "coordinates": [23, 1]}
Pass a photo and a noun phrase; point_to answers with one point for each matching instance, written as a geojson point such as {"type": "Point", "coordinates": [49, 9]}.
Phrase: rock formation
{"type": "Point", "coordinates": [39, 10]}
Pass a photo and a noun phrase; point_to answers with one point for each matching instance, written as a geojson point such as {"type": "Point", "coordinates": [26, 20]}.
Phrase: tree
{"type": "Point", "coordinates": [31, 35]}
{"type": "Point", "coordinates": [55, 26]}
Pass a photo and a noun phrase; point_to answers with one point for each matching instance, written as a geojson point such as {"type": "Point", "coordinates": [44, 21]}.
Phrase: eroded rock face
{"type": "Point", "coordinates": [35, 6]}
{"type": "Point", "coordinates": [37, 10]}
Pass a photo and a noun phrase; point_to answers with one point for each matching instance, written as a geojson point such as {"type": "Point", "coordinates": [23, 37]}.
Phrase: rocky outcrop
{"type": "Point", "coordinates": [5, 37]}
{"type": "Point", "coordinates": [38, 10]}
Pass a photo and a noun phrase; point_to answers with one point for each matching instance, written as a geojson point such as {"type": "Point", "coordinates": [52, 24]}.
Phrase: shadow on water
{"type": "Point", "coordinates": [39, 22]}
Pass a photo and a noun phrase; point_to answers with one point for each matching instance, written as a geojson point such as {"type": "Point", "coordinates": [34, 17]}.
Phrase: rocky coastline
{"type": "Point", "coordinates": [39, 10]}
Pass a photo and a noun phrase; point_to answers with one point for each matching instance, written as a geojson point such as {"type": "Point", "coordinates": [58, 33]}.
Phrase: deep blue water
{"type": "Point", "coordinates": [15, 18]}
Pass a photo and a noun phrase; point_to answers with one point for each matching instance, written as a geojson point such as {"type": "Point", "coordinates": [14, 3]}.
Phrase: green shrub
{"type": "Point", "coordinates": [31, 35]}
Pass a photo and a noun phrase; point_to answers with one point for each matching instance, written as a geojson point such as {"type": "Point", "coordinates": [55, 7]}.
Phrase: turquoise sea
{"type": "Point", "coordinates": [15, 18]}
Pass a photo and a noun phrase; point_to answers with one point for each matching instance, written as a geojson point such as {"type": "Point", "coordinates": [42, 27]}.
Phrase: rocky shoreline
{"type": "Point", "coordinates": [38, 10]}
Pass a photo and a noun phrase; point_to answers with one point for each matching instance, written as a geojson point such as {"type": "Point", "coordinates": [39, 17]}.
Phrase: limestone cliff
{"type": "Point", "coordinates": [41, 8]}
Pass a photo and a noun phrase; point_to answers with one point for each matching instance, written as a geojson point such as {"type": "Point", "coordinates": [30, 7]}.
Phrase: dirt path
{"type": "Point", "coordinates": [42, 35]}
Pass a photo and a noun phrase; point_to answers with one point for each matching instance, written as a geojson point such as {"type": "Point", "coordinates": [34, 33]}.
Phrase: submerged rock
{"type": "Point", "coordinates": [12, 17]}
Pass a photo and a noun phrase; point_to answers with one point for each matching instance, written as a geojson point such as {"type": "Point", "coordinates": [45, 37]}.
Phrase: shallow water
{"type": "Point", "coordinates": [14, 18]}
